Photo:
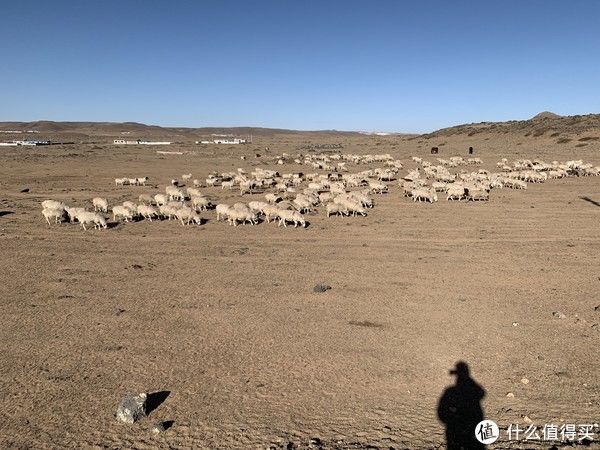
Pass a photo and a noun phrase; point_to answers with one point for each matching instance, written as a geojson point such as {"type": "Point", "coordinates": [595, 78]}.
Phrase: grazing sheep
{"type": "Point", "coordinates": [273, 198]}
{"type": "Point", "coordinates": [74, 212]}
{"type": "Point", "coordinates": [100, 204]}
{"type": "Point", "coordinates": [197, 183]}
{"type": "Point", "coordinates": [146, 199]}
{"type": "Point", "coordinates": [168, 211]}
{"type": "Point", "coordinates": [174, 193]}
{"type": "Point", "coordinates": [193, 192]}
{"type": "Point", "coordinates": [186, 177]}
{"type": "Point", "coordinates": [227, 184]}
{"type": "Point", "coordinates": [147, 212]}
{"type": "Point", "coordinates": [121, 181]}
{"type": "Point", "coordinates": [222, 211]}
{"type": "Point", "coordinates": [132, 181]}
{"type": "Point", "coordinates": [132, 206]}
{"type": "Point", "coordinates": [187, 215]}
{"type": "Point", "coordinates": [200, 203]}
{"type": "Point", "coordinates": [478, 195]}
{"type": "Point", "coordinates": [291, 216]}
{"type": "Point", "coordinates": [52, 204]}
{"type": "Point", "coordinates": [235, 215]}
{"type": "Point", "coordinates": [88, 217]}
{"type": "Point", "coordinates": [56, 214]}
{"type": "Point", "coordinates": [121, 211]}
{"type": "Point", "coordinates": [141, 181]}
{"type": "Point", "coordinates": [335, 208]}
{"type": "Point", "coordinates": [161, 199]}
{"type": "Point", "coordinates": [455, 192]}
{"type": "Point", "coordinates": [425, 195]}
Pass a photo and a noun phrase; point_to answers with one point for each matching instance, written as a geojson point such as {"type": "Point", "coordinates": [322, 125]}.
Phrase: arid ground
{"type": "Point", "coordinates": [225, 319]}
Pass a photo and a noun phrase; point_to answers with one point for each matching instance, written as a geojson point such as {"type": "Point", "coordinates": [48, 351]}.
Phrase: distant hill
{"type": "Point", "coordinates": [543, 124]}
{"type": "Point", "coordinates": [87, 131]}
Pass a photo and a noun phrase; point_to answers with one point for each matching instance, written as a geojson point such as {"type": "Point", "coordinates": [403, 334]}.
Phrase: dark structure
{"type": "Point", "coordinates": [459, 409]}
{"type": "Point", "coordinates": [471, 151]}
{"type": "Point", "coordinates": [434, 150]}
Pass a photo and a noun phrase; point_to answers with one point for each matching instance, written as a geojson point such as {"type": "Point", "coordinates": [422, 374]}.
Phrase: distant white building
{"type": "Point", "coordinates": [224, 141]}
{"type": "Point", "coordinates": [139, 142]}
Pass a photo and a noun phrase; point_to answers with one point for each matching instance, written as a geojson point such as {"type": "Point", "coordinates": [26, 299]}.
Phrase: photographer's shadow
{"type": "Point", "coordinates": [460, 410]}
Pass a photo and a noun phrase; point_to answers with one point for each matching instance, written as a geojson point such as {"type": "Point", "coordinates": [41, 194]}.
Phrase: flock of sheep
{"type": "Point", "coordinates": [291, 195]}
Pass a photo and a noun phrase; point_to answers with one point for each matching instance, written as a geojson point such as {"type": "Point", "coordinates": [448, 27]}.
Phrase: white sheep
{"type": "Point", "coordinates": [122, 211]}
{"type": "Point", "coordinates": [243, 216]}
{"type": "Point", "coordinates": [100, 204]}
{"type": "Point", "coordinates": [73, 212]}
{"type": "Point", "coordinates": [200, 203]}
{"type": "Point", "coordinates": [455, 192]}
{"type": "Point", "coordinates": [273, 198]}
{"type": "Point", "coordinates": [121, 181]}
{"type": "Point", "coordinates": [141, 181]}
{"type": "Point", "coordinates": [88, 217]}
{"type": "Point", "coordinates": [56, 214]}
{"type": "Point", "coordinates": [425, 195]}
{"type": "Point", "coordinates": [161, 199]}
{"type": "Point", "coordinates": [222, 211]}
{"type": "Point", "coordinates": [291, 216]}
{"type": "Point", "coordinates": [186, 177]}
{"type": "Point", "coordinates": [335, 208]}
{"type": "Point", "coordinates": [227, 184]}
{"type": "Point", "coordinates": [147, 212]}
{"type": "Point", "coordinates": [146, 199]}
{"type": "Point", "coordinates": [174, 193]}
{"type": "Point", "coordinates": [52, 204]}
{"type": "Point", "coordinates": [187, 215]}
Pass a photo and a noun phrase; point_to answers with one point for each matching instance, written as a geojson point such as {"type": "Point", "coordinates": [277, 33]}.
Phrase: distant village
{"type": "Point", "coordinates": [217, 139]}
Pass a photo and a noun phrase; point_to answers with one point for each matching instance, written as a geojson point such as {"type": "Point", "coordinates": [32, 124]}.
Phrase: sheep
{"type": "Point", "coordinates": [130, 205]}
{"type": "Point", "coordinates": [211, 182]}
{"type": "Point", "coordinates": [200, 203]}
{"type": "Point", "coordinates": [235, 215]}
{"type": "Point", "coordinates": [56, 214]}
{"type": "Point", "coordinates": [186, 177]}
{"type": "Point", "coordinates": [335, 208]}
{"type": "Point", "coordinates": [100, 204]}
{"type": "Point", "coordinates": [222, 211]}
{"type": "Point", "coordinates": [161, 199]}
{"type": "Point", "coordinates": [147, 212]}
{"type": "Point", "coordinates": [146, 199]}
{"type": "Point", "coordinates": [132, 181]}
{"type": "Point", "coordinates": [168, 211]}
{"type": "Point", "coordinates": [227, 184]}
{"type": "Point", "coordinates": [122, 211]}
{"type": "Point", "coordinates": [291, 216]}
{"type": "Point", "coordinates": [88, 217]}
{"type": "Point", "coordinates": [377, 188]}
{"type": "Point", "coordinates": [455, 192]}
{"type": "Point", "coordinates": [257, 206]}
{"type": "Point", "coordinates": [174, 193]}
{"type": "Point", "coordinates": [478, 195]}
{"type": "Point", "coordinates": [52, 204]}
{"type": "Point", "coordinates": [273, 198]}
{"type": "Point", "coordinates": [187, 215]}
{"type": "Point", "coordinates": [74, 212]}
{"type": "Point", "coordinates": [270, 212]}
{"type": "Point", "coordinates": [193, 192]}
{"type": "Point", "coordinates": [121, 181]}
{"type": "Point", "coordinates": [197, 183]}
{"type": "Point", "coordinates": [424, 195]}
{"type": "Point", "coordinates": [141, 181]}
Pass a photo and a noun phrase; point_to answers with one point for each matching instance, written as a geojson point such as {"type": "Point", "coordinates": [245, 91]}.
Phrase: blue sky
{"type": "Point", "coordinates": [349, 65]}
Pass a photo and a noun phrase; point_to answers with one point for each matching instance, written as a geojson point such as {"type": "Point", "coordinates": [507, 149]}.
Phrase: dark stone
{"type": "Point", "coordinates": [321, 287]}
{"type": "Point", "coordinates": [25, 190]}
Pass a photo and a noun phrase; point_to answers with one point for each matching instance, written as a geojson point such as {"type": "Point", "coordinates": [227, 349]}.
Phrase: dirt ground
{"type": "Point", "coordinates": [225, 322]}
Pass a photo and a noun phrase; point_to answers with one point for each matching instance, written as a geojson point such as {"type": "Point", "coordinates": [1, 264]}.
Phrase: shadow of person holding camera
{"type": "Point", "coordinates": [460, 410]}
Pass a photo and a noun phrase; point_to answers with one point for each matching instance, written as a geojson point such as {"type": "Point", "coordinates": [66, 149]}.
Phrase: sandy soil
{"type": "Point", "coordinates": [225, 319]}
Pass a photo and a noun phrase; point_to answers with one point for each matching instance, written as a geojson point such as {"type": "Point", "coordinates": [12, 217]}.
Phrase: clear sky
{"type": "Point", "coordinates": [410, 66]}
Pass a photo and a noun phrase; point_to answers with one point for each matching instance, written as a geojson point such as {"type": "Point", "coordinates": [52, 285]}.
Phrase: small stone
{"type": "Point", "coordinates": [595, 327]}
{"type": "Point", "coordinates": [24, 190]}
{"type": "Point", "coordinates": [559, 315]}
{"type": "Point", "coordinates": [157, 428]}
{"type": "Point", "coordinates": [321, 287]}
{"type": "Point", "coordinates": [510, 395]}
{"type": "Point", "coordinates": [515, 324]}
{"type": "Point", "coordinates": [526, 419]}
{"type": "Point", "coordinates": [132, 408]}
{"type": "Point", "coordinates": [524, 380]}
{"type": "Point", "coordinates": [597, 308]}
